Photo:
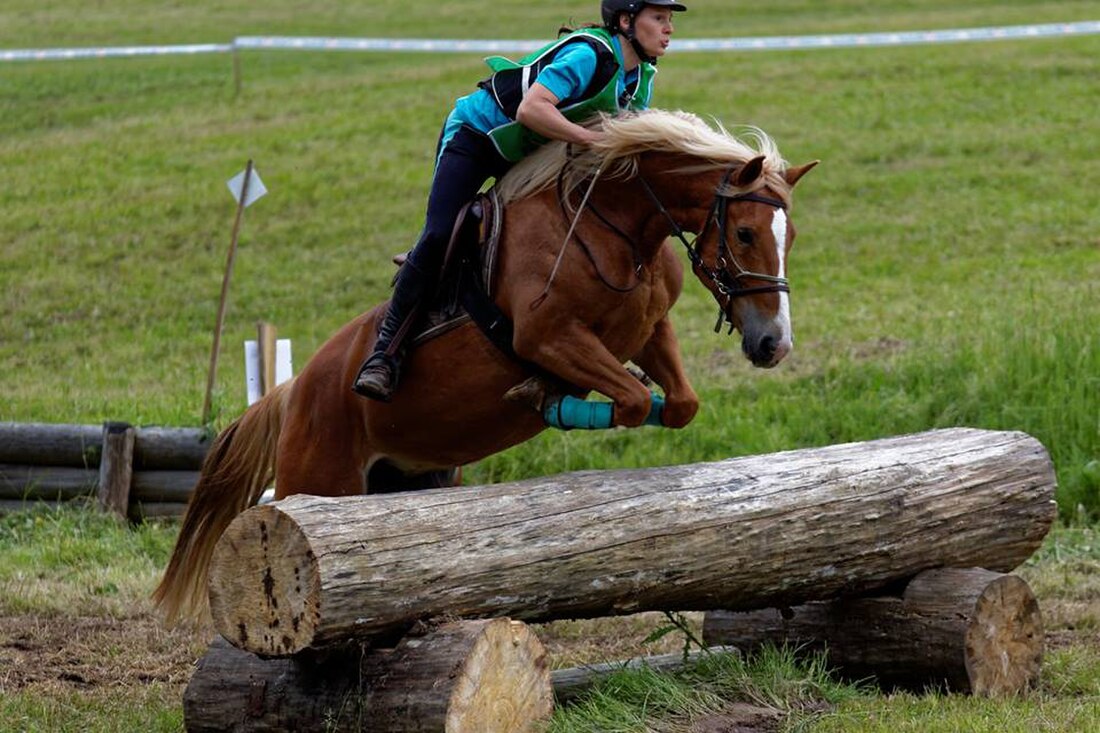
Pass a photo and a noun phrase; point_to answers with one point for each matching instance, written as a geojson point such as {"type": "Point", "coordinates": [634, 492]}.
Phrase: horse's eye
{"type": "Point", "coordinates": [744, 235]}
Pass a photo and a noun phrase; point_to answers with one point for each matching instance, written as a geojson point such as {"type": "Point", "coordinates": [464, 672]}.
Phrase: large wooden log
{"type": "Point", "coordinates": [969, 630]}
{"type": "Point", "coordinates": [746, 533]}
{"type": "Point", "coordinates": [234, 690]}
{"type": "Point", "coordinates": [464, 677]}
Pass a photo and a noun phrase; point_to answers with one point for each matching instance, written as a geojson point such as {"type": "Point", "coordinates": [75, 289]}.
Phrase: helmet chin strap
{"type": "Point", "coordinates": [633, 38]}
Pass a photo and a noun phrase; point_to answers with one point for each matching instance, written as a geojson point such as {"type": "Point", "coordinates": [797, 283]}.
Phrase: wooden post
{"type": "Point", "coordinates": [225, 293]}
{"type": "Point", "coordinates": [266, 339]}
{"type": "Point", "coordinates": [116, 468]}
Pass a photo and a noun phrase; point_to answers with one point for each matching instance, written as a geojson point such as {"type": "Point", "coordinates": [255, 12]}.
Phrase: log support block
{"type": "Point", "coordinates": [462, 677]}
{"type": "Point", "coordinates": [969, 630]}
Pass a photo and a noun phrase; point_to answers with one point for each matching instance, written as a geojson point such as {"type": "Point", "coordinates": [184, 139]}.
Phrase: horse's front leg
{"type": "Point", "coordinates": [578, 357]}
{"type": "Point", "coordinates": [660, 359]}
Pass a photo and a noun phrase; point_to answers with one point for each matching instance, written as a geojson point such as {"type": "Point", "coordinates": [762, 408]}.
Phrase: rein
{"type": "Point", "coordinates": [728, 286]}
{"type": "Point", "coordinates": [637, 260]}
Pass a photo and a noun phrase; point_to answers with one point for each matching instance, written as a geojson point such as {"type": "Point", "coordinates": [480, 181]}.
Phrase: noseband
{"type": "Point", "coordinates": [726, 284]}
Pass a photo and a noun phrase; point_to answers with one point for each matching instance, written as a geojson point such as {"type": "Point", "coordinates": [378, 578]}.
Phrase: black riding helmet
{"type": "Point", "coordinates": [610, 10]}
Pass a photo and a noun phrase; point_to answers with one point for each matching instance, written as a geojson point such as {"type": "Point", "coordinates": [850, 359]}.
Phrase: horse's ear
{"type": "Point", "coordinates": [793, 174]}
{"type": "Point", "coordinates": [747, 174]}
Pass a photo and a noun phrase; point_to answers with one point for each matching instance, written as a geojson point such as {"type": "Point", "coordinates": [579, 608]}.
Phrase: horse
{"type": "Point", "coordinates": [587, 286]}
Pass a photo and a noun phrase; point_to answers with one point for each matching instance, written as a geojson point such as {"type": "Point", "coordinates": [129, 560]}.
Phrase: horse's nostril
{"type": "Point", "coordinates": [767, 346]}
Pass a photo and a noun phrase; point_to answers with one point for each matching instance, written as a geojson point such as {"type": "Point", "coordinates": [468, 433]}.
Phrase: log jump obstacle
{"type": "Point", "coordinates": [311, 573]}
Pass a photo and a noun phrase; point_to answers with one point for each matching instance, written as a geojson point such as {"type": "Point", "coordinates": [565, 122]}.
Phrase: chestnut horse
{"type": "Point", "coordinates": [587, 274]}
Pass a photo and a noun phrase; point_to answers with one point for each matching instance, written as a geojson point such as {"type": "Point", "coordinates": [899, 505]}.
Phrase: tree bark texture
{"type": "Point", "coordinates": [740, 534]}
{"type": "Point", "coordinates": [969, 630]}
{"type": "Point", "coordinates": [463, 677]}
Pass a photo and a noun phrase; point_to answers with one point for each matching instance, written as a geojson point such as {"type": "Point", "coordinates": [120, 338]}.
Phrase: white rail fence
{"type": "Point", "coordinates": [426, 45]}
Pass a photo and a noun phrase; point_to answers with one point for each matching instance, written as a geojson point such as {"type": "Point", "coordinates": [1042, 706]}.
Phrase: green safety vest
{"type": "Point", "coordinates": [511, 80]}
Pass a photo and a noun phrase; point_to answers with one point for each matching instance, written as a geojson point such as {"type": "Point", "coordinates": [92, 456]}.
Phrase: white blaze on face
{"type": "Point", "coordinates": [779, 231]}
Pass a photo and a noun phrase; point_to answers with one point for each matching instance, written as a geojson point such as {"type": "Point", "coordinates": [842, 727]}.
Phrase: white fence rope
{"type": "Point", "coordinates": [423, 45]}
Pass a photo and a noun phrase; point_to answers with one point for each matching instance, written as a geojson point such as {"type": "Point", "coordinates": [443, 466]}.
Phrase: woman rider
{"type": "Point", "coordinates": [519, 107]}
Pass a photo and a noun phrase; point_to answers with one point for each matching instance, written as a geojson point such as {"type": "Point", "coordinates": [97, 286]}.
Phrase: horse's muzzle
{"type": "Point", "coordinates": [765, 351]}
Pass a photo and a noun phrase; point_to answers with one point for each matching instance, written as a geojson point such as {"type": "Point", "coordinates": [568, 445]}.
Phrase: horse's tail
{"type": "Point", "coordinates": [237, 469]}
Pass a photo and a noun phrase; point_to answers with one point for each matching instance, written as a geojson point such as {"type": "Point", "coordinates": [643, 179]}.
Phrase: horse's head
{"type": "Point", "coordinates": [734, 196]}
{"type": "Point", "coordinates": [741, 256]}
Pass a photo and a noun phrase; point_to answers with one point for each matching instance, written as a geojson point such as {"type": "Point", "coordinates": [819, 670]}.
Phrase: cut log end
{"type": "Point", "coordinates": [265, 584]}
{"type": "Point", "coordinates": [504, 684]}
{"type": "Point", "coordinates": [1004, 639]}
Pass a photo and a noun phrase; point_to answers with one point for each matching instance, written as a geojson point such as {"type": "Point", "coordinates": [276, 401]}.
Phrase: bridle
{"type": "Point", "coordinates": [726, 284]}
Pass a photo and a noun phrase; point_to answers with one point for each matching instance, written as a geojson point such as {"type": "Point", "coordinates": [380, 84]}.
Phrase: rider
{"type": "Point", "coordinates": [519, 107]}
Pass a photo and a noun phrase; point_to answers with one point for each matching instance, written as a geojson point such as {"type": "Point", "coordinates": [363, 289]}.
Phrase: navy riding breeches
{"type": "Point", "coordinates": [463, 165]}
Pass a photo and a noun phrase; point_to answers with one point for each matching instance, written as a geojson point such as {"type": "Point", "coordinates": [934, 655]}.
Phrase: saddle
{"type": "Point", "coordinates": [466, 282]}
{"type": "Point", "coordinates": [465, 293]}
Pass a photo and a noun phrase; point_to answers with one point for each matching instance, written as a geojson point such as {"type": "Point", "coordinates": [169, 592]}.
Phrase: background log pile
{"type": "Point", "coordinates": [137, 472]}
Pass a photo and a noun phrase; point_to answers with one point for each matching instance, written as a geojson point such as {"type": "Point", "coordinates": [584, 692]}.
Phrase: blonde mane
{"type": "Point", "coordinates": [627, 136]}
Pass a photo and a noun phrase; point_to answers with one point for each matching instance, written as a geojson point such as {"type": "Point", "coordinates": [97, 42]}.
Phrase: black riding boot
{"type": "Point", "coordinates": [377, 378]}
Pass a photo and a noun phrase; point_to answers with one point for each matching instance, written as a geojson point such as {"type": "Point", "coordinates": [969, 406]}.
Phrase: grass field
{"type": "Point", "coordinates": [945, 271]}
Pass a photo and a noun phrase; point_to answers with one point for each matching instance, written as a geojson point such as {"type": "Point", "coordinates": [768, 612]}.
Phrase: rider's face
{"type": "Point", "coordinates": [653, 29]}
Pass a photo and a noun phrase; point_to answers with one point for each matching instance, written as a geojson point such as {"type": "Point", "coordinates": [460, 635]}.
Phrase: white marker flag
{"type": "Point", "coordinates": [256, 187]}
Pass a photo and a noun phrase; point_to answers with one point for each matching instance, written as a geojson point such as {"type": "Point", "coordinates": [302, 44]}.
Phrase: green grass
{"type": "Point", "coordinates": [28, 24]}
{"type": "Point", "coordinates": [150, 709]}
{"type": "Point", "coordinates": [641, 699]}
{"type": "Point", "coordinates": [76, 561]}
{"type": "Point", "coordinates": [949, 714]}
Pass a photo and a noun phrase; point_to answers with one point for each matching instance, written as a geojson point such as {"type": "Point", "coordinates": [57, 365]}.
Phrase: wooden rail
{"type": "Point", "coordinates": [149, 471]}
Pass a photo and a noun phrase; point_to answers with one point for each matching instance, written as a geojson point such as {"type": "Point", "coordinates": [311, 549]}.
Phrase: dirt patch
{"type": "Point", "coordinates": [610, 639]}
{"type": "Point", "coordinates": [739, 718]}
{"type": "Point", "coordinates": [84, 653]}
{"type": "Point", "coordinates": [1066, 638]}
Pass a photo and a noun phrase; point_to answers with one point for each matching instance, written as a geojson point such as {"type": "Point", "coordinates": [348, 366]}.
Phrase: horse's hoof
{"type": "Point", "coordinates": [639, 375]}
{"type": "Point", "coordinates": [531, 391]}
